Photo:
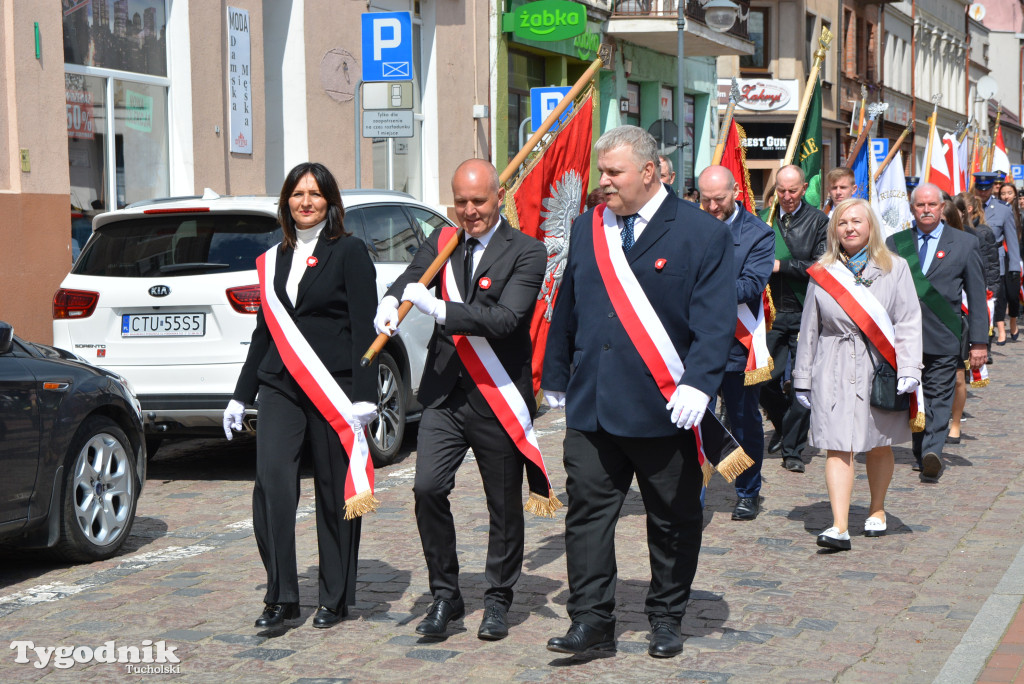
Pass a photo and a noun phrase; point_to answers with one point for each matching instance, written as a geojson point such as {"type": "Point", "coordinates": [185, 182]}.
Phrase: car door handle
{"type": "Point", "coordinates": [56, 386]}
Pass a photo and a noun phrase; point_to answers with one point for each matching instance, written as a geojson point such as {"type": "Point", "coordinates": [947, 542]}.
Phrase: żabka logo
{"type": "Point", "coordinates": [149, 658]}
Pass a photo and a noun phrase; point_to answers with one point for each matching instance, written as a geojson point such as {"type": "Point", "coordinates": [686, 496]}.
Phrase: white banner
{"type": "Point", "coordinates": [889, 197]}
{"type": "Point", "coordinates": [239, 80]}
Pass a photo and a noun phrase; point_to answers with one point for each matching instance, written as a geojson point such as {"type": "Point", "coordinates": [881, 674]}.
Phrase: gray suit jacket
{"type": "Point", "coordinates": [958, 270]}
{"type": "Point", "coordinates": [1000, 219]}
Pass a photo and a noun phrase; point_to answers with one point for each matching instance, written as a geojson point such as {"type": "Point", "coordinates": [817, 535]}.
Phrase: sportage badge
{"type": "Point", "coordinates": [159, 291]}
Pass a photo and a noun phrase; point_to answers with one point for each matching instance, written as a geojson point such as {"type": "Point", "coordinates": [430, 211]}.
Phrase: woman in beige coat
{"type": "Point", "coordinates": [832, 374]}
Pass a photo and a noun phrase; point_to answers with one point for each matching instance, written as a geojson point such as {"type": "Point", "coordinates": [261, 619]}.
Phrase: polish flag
{"type": "Point", "coordinates": [939, 172]}
{"type": "Point", "coordinates": [1000, 162]}
{"type": "Point", "coordinates": [951, 151]}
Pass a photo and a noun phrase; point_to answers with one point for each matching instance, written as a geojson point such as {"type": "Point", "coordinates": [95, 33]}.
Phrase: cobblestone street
{"type": "Point", "coordinates": [930, 600]}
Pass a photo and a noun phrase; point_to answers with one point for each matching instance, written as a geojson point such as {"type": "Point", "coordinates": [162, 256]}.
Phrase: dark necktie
{"type": "Point", "coordinates": [923, 252]}
{"type": "Point", "coordinates": [627, 231]}
{"type": "Point", "coordinates": [467, 278]}
{"type": "Point", "coordinates": [786, 219]}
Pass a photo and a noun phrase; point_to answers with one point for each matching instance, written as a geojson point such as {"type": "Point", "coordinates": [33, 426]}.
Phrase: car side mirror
{"type": "Point", "coordinates": [6, 337]}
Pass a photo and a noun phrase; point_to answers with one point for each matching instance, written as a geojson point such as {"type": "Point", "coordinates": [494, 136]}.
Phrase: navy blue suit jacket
{"type": "Point", "coordinates": [589, 355]}
{"type": "Point", "coordinates": [754, 254]}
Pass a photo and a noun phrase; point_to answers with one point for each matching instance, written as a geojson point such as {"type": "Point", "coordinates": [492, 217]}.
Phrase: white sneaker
{"type": "Point", "coordinates": [873, 527]}
{"type": "Point", "coordinates": [832, 538]}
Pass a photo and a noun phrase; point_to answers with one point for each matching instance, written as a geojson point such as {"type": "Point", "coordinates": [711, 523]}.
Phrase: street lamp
{"type": "Point", "coordinates": [719, 15]}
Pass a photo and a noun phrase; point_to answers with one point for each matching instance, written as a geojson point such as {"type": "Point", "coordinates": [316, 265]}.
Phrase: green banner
{"type": "Point", "coordinates": [808, 153]}
{"type": "Point", "coordinates": [906, 246]}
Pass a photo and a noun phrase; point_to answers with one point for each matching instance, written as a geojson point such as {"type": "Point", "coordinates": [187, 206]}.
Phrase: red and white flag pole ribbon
{"type": "Point", "coordinates": [979, 377]}
{"type": "Point", "coordinates": [751, 331]}
{"type": "Point", "coordinates": [316, 381]}
{"type": "Point", "coordinates": [503, 398]}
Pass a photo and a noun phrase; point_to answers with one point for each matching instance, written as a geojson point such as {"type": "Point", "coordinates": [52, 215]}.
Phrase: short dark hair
{"type": "Point", "coordinates": [328, 186]}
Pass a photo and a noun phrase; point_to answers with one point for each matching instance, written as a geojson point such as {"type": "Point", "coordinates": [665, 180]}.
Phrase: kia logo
{"type": "Point", "coordinates": [159, 291]}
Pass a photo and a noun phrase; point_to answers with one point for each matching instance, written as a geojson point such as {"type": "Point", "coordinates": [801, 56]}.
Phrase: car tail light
{"type": "Point", "coordinates": [245, 299]}
{"type": "Point", "coordinates": [74, 303]}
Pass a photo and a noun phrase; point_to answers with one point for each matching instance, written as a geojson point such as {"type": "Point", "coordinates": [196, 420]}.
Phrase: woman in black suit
{"type": "Point", "coordinates": [326, 285]}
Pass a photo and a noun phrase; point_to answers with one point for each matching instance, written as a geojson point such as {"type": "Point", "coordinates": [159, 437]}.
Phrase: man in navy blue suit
{"type": "Point", "coordinates": [648, 271]}
{"type": "Point", "coordinates": [754, 254]}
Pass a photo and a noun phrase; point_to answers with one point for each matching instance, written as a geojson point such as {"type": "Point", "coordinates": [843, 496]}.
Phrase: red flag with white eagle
{"type": "Point", "coordinates": [544, 201]}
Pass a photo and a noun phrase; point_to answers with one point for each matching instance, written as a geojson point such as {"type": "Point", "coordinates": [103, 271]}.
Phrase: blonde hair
{"type": "Point", "coordinates": [877, 251]}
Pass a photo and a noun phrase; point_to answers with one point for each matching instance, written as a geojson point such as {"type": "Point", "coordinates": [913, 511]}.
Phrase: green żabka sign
{"type": "Point", "coordinates": [546, 20]}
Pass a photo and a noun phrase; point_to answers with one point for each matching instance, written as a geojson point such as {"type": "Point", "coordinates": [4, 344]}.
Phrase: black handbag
{"type": "Point", "coordinates": [883, 386]}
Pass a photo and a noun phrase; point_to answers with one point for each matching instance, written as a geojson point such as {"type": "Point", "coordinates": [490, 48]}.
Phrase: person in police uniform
{"type": "Point", "coordinates": [1000, 219]}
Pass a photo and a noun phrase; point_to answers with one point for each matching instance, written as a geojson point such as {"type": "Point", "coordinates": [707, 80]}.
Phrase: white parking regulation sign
{"type": "Point", "coordinates": [387, 123]}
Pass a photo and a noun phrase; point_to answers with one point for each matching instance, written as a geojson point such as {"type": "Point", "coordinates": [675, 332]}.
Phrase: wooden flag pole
{"type": "Point", "coordinates": [734, 95]}
{"type": "Point", "coordinates": [874, 109]}
{"type": "Point", "coordinates": [893, 149]}
{"type": "Point", "coordinates": [824, 40]}
{"type": "Point", "coordinates": [992, 143]}
{"type": "Point", "coordinates": [931, 131]}
{"type": "Point", "coordinates": [448, 249]}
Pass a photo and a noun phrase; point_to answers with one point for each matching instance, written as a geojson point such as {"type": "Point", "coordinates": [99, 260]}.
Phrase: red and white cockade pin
{"type": "Point", "coordinates": [940, 254]}
{"type": "Point", "coordinates": [485, 283]}
{"type": "Point", "coordinates": [312, 261]}
{"type": "Point", "coordinates": [660, 264]}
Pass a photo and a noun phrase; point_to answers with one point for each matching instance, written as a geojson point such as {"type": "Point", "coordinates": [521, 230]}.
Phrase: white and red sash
{"type": "Point", "coordinates": [502, 396]}
{"type": "Point", "coordinates": [870, 317]}
{"type": "Point", "coordinates": [979, 378]}
{"type": "Point", "coordinates": [751, 331]}
{"type": "Point", "coordinates": [638, 316]}
{"type": "Point", "coordinates": [316, 381]}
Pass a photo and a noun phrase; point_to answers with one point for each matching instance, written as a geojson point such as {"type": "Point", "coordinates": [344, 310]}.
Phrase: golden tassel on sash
{"type": "Point", "coordinates": [735, 463]}
{"type": "Point", "coordinates": [541, 506]}
{"type": "Point", "coordinates": [361, 504]}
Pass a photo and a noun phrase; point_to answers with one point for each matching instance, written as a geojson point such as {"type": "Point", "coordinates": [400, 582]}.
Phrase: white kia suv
{"type": "Point", "coordinates": [165, 294]}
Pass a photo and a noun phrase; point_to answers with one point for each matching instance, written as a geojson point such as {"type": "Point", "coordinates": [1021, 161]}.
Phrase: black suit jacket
{"type": "Point", "coordinates": [959, 270]}
{"type": "Point", "coordinates": [589, 355]}
{"type": "Point", "coordinates": [501, 313]}
{"type": "Point", "coordinates": [334, 310]}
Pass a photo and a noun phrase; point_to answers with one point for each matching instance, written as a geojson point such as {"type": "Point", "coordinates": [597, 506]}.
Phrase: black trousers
{"type": "Point", "coordinates": [783, 410]}
{"type": "Point", "coordinates": [1007, 296]}
{"type": "Point", "coordinates": [445, 434]}
{"type": "Point", "coordinates": [599, 470]}
{"type": "Point", "coordinates": [938, 383]}
{"type": "Point", "coordinates": [289, 423]}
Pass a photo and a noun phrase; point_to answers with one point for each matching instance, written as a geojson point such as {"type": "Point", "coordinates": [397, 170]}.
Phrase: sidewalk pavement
{"type": "Point", "coordinates": [931, 601]}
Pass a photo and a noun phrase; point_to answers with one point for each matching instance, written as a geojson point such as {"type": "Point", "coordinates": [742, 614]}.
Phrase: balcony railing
{"type": "Point", "coordinates": [669, 9]}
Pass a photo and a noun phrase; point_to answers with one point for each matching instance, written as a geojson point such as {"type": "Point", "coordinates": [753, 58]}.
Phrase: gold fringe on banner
{"type": "Point", "coordinates": [759, 375]}
{"type": "Point", "coordinates": [770, 320]}
{"type": "Point", "coordinates": [917, 422]}
{"type": "Point", "coordinates": [706, 471]}
{"type": "Point", "coordinates": [543, 507]}
{"type": "Point", "coordinates": [976, 383]}
{"type": "Point", "coordinates": [735, 463]}
{"type": "Point", "coordinates": [361, 504]}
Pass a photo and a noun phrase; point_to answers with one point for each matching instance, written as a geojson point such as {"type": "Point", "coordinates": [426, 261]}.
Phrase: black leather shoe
{"type": "Point", "coordinates": [775, 443]}
{"type": "Point", "coordinates": [746, 509]}
{"type": "Point", "coordinates": [793, 464]}
{"type": "Point", "coordinates": [665, 640]}
{"type": "Point", "coordinates": [494, 625]}
{"type": "Point", "coordinates": [931, 465]}
{"type": "Point", "coordinates": [440, 613]}
{"type": "Point", "coordinates": [276, 613]}
{"type": "Point", "coordinates": [952, 440]}
{"type": "Point", "coordinates": [582, 638]}
{"type": "Point", "coordinates": [325, 617]}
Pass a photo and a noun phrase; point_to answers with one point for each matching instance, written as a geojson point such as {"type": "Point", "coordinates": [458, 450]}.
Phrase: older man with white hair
{"type": "Point", "coordinates": [944, 263]}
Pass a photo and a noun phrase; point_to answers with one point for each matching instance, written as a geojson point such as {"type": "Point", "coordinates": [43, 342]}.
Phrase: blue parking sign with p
{"type": "Point", "coordinates": [1017, 171]}
{"type": "Point", "coordinates": [543, 101]}
{"type": "Point", "coordinates": [387, 46]}
{"type": "Point", "coordinates": [880, 148]}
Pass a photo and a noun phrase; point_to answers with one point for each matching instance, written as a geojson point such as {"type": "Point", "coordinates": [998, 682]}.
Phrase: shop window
{"type": "Point", "coordinates": [115, 89]}
{"type": "Point", "coordinates": [757, 29]}
{"type": "Point", "coordinates": [633, 103]}
{"type": "Point", "coordinates": [525, 71]}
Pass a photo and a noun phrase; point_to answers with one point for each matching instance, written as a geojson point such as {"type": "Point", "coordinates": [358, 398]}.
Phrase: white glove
{"type": "Point", "coordinates": [363, 413]}
{"type": "Point", "coordinates": [386, 320]}
{"type": "Point", "coordinates": [233, 417]}
{"type": "Point", "coordinates": [687, 406]}
{"type": "Point", "coordinates": [554, 399]}
{"type": "Point", "coordinates": [420, 296]}
{"type": "Point", "coordinates": [906, 385]}
{"type": "Point", "coordinates": [803, 397]}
